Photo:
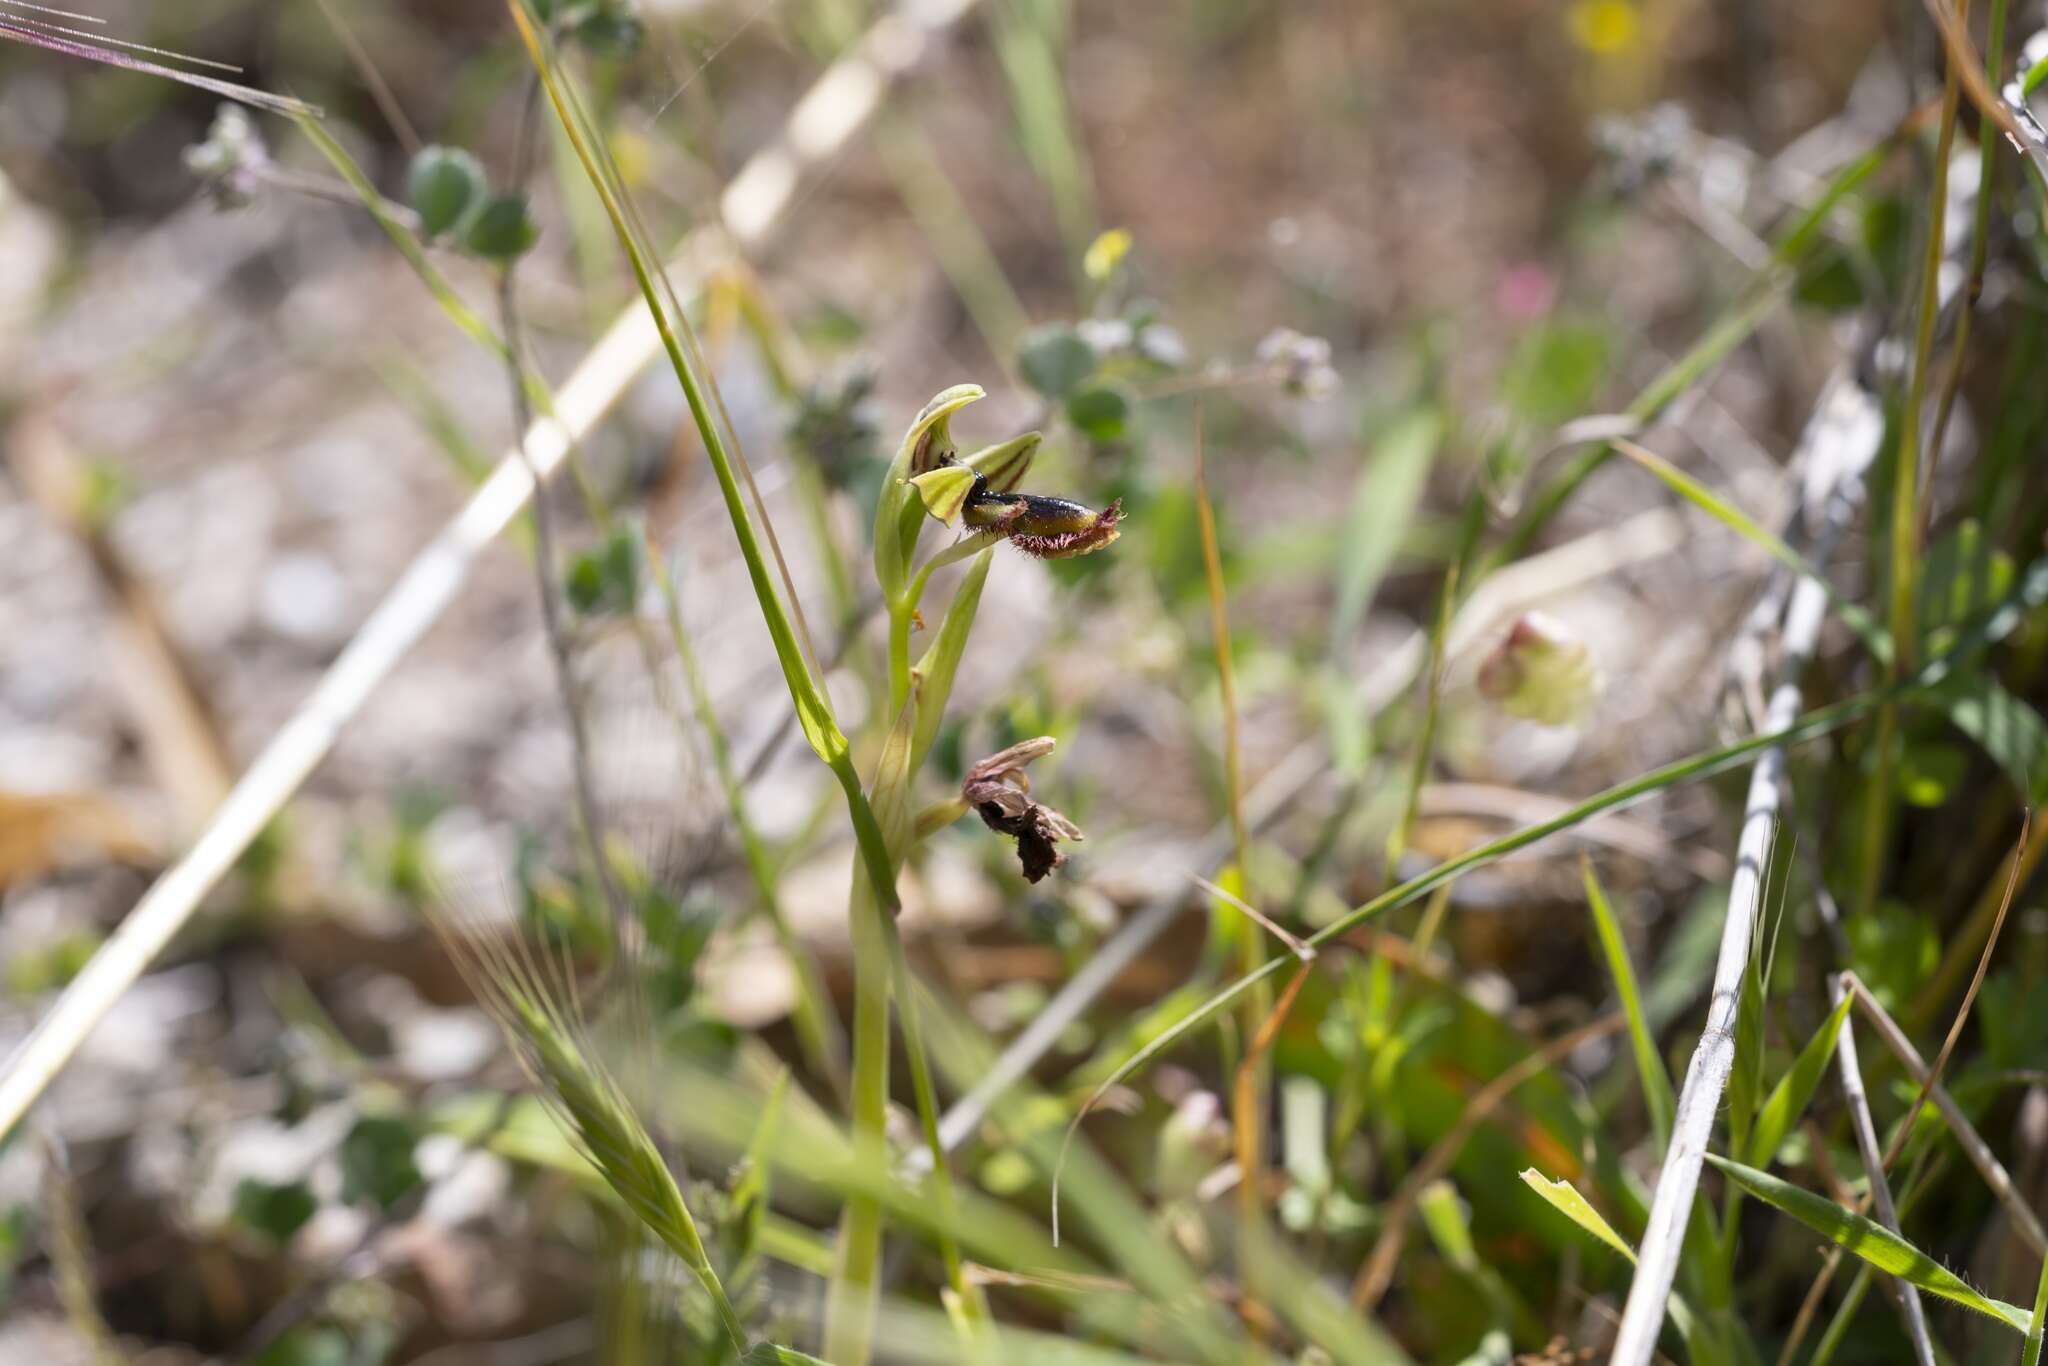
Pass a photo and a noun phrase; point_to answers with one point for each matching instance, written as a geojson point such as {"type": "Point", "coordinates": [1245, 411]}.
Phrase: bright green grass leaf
{"type": "Point", "coordinates": [1656, 1077]}
{"type": "Point", "coordinates": [1745, 1076]}
{"type": "Point", "coordinates": [1790, 1097]}
{"type": "Point", "coordinates": [1735, 519]}
{"type": "Point", "coordinates": [1869, 1240]}
{"type": "Point", "coordinates": [1564, 1197]}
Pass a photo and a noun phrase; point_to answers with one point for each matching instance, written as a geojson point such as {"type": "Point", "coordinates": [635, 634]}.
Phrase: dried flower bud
{"type": "Point", "coordinates": [1000, 793]}
{"type": "Point", "coordinates": [1302, 363]}
{"type": "Point", "coordinates": [1541, 672]}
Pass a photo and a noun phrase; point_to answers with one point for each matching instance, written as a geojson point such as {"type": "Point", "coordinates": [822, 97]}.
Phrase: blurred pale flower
{"type": "Point", "coordinates": [1541, 672]}
{"type": "Point", "coordinates": [1302, 362]}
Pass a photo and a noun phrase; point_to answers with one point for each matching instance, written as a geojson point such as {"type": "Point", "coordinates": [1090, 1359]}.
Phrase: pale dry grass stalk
{"type": "Point", "coordinates": [1836, 452]}
{"type": "Point", "coordinates": [1911, 1312]}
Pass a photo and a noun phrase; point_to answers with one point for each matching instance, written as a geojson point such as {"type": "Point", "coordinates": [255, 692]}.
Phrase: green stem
{"type": "Point", "coordinates": [901, 613]}
{"type": "Point", "coordinates": [2031, 1354]}
{"type": "Point", "coordinates": [1905, 511]}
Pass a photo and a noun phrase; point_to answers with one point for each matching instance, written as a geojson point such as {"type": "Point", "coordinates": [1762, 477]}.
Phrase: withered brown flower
{"type": "Point", "coordinates": [1000, 793]}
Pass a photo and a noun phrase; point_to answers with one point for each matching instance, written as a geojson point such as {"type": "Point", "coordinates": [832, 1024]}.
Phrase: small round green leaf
{"type": "Point", "coordinates": [503, 229]}
{"type": "Point", "coordinates": [276, 1211]}
{"type": "Point", "coordinates": [1055, 361]}
{"type": "Point", "coordinates": [1101, 414]}
{"type": "Point", "coordinates": [376, 1161]}
{"type": "Point", "coordinates": [446, 185]}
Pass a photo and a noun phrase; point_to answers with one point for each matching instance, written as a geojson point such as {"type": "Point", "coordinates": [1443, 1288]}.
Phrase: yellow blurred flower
{"type": "Point", "coordinates": [1604, 27]}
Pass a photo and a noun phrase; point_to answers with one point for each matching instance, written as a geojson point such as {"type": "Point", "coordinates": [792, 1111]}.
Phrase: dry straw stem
{"type": "Point", "coordinates": [819, 127]}
{"type": "Point", "coordinates": [2025, 1221]}
{"type": "Point", "coordinates": [1707, 1075]}
{"type": "Point", "coordinates": [1911, 1311]}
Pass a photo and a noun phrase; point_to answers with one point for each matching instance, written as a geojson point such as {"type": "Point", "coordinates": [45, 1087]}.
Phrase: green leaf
{"type": "Point", "coordinates": [1745, 1077]}
{"type": "Point", "coordinates": [2008, 729]}
{"type": "Point", "coordinates": [503, 229]}
{"type": "Point", "coordinates": [1101, 414]}
{"type": "Point", "coordinates": [1794, 1091]}
{"type": "Point", "coordinates": [1869, 1240]}
{"type": "Point", "coordinates": [1852, 615]}
{"type": "Point", "coordinates": [446, 185]}
{"type": "Point", "coordinates": [1962, 577]}
{"type": "Point", "coordinates": [1382, 510]}
{"type": "Point", "coordinates": [605, 580]}
{"type": "Point", "coordinates": [1893, 950]}
{"type": "Point", "coordinates": [276, 1211]}
{"type": "Point", "coordinates": [1555, 372]}
{"type": "Point", "coordinates": [1650, 1067]}
{"type": "Point", "coordinates": [1564, 1197]}
{"type": "Point", "coordinates": [1055, 361]}
{"type": "Point", "coordinates": [377, 1162]}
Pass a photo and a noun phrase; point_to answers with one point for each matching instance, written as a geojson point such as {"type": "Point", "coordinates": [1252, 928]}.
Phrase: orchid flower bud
{"type": "Point", "coordinates": [1541, 672]}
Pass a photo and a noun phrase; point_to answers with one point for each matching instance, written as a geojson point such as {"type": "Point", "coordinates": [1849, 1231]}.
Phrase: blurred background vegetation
{"type": "Point", "coordinates": [1343, 302]}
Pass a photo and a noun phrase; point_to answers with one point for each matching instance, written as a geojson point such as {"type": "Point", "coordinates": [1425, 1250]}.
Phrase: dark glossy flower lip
{"type": "Point", "coordinates": [1098, 531]}
{"type": "Point", "coordinates": [1049, 528]}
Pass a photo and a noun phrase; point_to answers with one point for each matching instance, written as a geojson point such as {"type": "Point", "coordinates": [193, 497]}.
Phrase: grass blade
{"type": "Point", "coordinates": [1564, 1197]}
{"type": "Point", "coordinates": [1656, 1077]}
{"type": "Point", "coordinates": [1869, 1240]}
{"type": "Point", "coordinates": [1789, 1098]}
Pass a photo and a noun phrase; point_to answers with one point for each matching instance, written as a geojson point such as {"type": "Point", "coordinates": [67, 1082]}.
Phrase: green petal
{"type": "Point", "coordinates": [944, 490]}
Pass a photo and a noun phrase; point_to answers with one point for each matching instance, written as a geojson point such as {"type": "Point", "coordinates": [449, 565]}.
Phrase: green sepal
{"type": "Point", "coordinates": [1005, 464]}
